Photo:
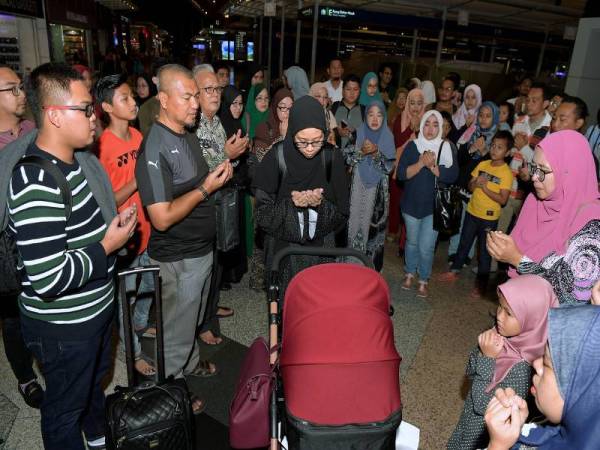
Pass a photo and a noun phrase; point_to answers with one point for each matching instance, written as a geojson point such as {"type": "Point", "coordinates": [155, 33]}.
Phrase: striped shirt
{"type": "Point", "coordinates": [67, 279]}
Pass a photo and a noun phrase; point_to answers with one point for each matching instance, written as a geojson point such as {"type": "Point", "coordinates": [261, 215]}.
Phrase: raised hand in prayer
{"type": "Point", "coordinates": [490, 343]}
{"type": "Point", "coordinates": [503, 248]}
{"type": "Point", "coordinates": [368, 147]}
{"type": "Point", "coordinates": [504, 417]}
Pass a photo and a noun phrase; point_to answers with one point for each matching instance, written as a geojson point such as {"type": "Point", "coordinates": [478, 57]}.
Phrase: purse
{"type": "Point", "coordinates": [249, 410]}
{"type": "Point", "coordinates": [447, 208]}
{"type": "Point", "coordinates": [228, 218]}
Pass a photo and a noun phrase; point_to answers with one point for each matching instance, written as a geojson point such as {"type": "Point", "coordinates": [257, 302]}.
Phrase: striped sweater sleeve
{"type": "Point", "coordinates": [39, 224]}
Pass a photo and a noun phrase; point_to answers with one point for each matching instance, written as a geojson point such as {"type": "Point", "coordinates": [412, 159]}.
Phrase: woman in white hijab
{"type": "Point", "coordinates": [425, 159]}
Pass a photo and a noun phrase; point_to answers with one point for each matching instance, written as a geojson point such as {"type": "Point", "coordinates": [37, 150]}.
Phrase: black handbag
{"type": "Point", "coordinates": [152, 415]}
{"type": "Point", "coordinates": [447, 209]}
{"type": "Point", "coordinates": [228, 218]}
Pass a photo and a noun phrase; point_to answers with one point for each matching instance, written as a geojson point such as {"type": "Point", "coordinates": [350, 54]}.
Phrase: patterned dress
{"type": "Point", "coordinates": [573, 274]}
{"type": "Point", "coordinates": [470, 432]}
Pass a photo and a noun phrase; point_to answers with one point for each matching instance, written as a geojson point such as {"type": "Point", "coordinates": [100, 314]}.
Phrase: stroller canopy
{"type": "Point", "coordinates": [338, 359]}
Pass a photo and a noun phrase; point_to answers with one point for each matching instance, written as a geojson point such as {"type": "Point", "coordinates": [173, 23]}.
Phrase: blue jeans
{"type": "Point", "coordinates": [420, 245]}
{"type": "Point", "coordinates": [475, 228]}
{"type": "Point", "coordinates": [74, 399]}
{"type": "Point", "coordinates": [142, 297]}
{"type": "Point", "coordinates": [455, 240]}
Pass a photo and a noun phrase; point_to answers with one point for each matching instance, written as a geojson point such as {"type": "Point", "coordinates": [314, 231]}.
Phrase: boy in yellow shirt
{"type": "Point", "coordinates": [490, 183]}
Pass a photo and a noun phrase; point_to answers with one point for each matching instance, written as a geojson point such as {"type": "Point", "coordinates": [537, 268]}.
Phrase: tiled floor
{"type": "Point", "coordinates": [433, 335]}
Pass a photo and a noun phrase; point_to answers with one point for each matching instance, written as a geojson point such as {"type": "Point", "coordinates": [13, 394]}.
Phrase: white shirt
{"type": "Point", "coordinates": [334, 94]}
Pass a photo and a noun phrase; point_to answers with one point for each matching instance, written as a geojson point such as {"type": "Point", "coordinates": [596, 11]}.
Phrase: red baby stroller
{"type": "Point", "coordinates": [339, 367]}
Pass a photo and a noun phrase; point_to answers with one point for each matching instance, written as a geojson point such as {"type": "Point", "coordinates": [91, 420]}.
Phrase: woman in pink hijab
{"type": "Point", "coordinates": [557, 234]}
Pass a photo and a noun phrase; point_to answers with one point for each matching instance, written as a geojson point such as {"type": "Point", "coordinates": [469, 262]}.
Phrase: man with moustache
{"type": "Point", "coordinates": [175, 186]}
{"type": "Point", "coordinates": [216, 148]}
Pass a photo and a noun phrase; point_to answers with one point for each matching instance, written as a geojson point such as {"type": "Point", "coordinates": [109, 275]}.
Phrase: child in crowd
{"type": "Point", "coordinates": [505, 353]}
{"type": "Point", "coordinates": [507, 116]}
{"type": "Point", "coordinates": [566, 386]}
{"type": "Point", "coordinates": [490, 183]}
{"type": "Point", "coordinates": [117, 151]}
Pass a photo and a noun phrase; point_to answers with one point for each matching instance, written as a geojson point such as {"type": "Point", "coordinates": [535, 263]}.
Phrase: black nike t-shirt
{"type": "Point", "coordinates": [169, 165]}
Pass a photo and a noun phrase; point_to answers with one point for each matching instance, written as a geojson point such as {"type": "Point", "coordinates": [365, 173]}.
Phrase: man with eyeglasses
{"type": "Point", "coordinates": [12, 126]}
{"type": "Point", "coordinates": [445, 95]}
{"type": "Point", "coordinates": [216, 149]}
{"type": "Point", "coordinates": [68, 288]}
{"type": "Point", "coordinates": [175, 186]}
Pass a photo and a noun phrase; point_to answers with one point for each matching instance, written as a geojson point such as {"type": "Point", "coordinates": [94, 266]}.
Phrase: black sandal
{"type": "Point", "coordinates": [33, 394]}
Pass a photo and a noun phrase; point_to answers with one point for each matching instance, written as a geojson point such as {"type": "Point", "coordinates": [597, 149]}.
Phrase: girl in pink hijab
{"type": "Point", "coordinates": [505, 354]}
{"type": "Point", "coordinates": [557, 234]}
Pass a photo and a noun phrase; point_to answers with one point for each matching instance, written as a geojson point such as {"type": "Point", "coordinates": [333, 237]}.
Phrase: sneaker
{"type": "Point", "coordinates": [32, 393]}
{"type": "Point", "coordinates": [97, 444]}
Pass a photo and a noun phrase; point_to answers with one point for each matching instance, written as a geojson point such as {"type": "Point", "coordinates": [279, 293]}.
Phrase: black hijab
{"type": "Point", "coordinates": [303, 173]}
{"type": "Point", "coordinates": [231, 125]}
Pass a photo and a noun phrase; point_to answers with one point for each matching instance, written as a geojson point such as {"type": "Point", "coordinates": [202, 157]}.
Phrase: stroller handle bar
{"type": "Point", "coordinates": [318, 251]}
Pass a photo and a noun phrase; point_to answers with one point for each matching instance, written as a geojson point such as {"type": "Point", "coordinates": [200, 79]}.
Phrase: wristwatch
{"type": "Point", "coordinates": [204, 192]}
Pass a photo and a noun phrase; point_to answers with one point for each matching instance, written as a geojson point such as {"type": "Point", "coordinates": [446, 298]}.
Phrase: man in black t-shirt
{"type": "Point", "coordinates": [175, 186]}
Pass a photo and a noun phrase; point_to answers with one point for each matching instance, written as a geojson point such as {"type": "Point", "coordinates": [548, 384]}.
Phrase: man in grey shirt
{"type": "Point", "coordinates": [175, 186]}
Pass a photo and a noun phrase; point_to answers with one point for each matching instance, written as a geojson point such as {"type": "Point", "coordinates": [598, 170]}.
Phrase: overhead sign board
{"type": "Point", "coordinates": [361, 17]}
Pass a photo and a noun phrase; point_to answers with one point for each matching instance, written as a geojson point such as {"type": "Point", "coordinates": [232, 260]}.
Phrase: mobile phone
{"type": "Point", "coordinates": [343, 123]}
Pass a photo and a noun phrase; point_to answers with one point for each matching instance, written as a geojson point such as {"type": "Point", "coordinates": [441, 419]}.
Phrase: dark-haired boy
{"type": "Point", "coordinates": [117, 150]}
{"type": "Point", "coordinates": [349, 114]}
{"type": "Point", "coordinates": [490, 183]}
{"type": "Point", "coordinates": [68, 260]}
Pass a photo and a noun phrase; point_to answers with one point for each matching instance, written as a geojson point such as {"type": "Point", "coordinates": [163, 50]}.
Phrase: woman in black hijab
{"type": "Point", "coordinates": [307, 203]}
{"type": "Point", "coordinates": [230, 112]}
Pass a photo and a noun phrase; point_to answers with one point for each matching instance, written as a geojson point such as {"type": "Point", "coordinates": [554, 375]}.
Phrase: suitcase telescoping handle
{"type": "Point", "coordinates": [127, 327]}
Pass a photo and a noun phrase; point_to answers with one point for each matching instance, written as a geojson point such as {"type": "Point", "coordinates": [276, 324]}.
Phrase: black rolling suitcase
{"type": "Point", "coordinates": [151, 415]}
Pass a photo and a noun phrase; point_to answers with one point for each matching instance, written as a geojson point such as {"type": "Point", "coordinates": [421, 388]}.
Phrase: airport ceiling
{"type": "Point", "coordinates": [530, 15]}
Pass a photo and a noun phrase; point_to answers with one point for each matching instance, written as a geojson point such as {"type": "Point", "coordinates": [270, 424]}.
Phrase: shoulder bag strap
{"type": "Point", "coordinates": [55, 172]}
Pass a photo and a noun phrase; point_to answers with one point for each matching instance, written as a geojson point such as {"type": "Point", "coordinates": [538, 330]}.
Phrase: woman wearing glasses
{"type": "Point", "coordinates": [557, 235]}
{"type": "Point", "coordinates": [306, 202]}
{"type": "Point", "coordinates": [274, 128]}
{"type": "Point", "coordinates": [319, 91]}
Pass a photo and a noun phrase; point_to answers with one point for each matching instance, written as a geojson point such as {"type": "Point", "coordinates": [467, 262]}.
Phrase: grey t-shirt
{"type": "Point", "coordinates": [169, 165]}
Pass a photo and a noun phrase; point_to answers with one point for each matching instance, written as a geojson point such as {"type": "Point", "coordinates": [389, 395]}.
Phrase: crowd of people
{"type": "Point", "coordinates": [183, 169]}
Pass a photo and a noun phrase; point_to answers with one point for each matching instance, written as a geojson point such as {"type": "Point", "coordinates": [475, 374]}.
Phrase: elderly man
{"type": "Point", "coordinates": [175, 186]}
{"type": "Point", "coordinates": [215, 148]}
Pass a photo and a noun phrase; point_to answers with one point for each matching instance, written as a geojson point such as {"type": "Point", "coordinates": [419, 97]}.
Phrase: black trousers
{"type": "Point", "coordinates": [18, 355]}
{"type": "Point", "coordinates": [211, 321]}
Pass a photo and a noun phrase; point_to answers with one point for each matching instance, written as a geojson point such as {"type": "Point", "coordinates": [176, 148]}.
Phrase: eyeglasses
{"type": "Point", "coordinates": [535, 170]}
{"type": "Point", "coordinates": [15, 90]}
{"type": "Point", "coordinates": [237, 104]}
{"type": "Point", "coordinates": [87, 109]}
{"type": "Point", "coordinates": [314, 144]}
{"type": "Point", "coordinates": [262, 99]}
{"type": "Point", "coordinates": [210, 90]}
{"type": "Point", "coordinates": [283, 108]}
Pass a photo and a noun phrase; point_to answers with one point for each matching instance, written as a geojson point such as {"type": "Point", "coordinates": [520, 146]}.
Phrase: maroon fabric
{"type": "Point", "coordinates": [249, 410]}
{"type": "Point", "coordinates": [338, 360]}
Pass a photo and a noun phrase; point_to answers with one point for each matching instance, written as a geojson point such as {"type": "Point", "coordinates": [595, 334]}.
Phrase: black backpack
{"type": "Point", "coordinates": [10, 279]}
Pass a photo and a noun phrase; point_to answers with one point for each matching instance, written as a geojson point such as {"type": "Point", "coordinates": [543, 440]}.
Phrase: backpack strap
{"type": "Point", "coordinates": [55, 172]}
{"type": "Point", "coordinates": [281, 164]}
